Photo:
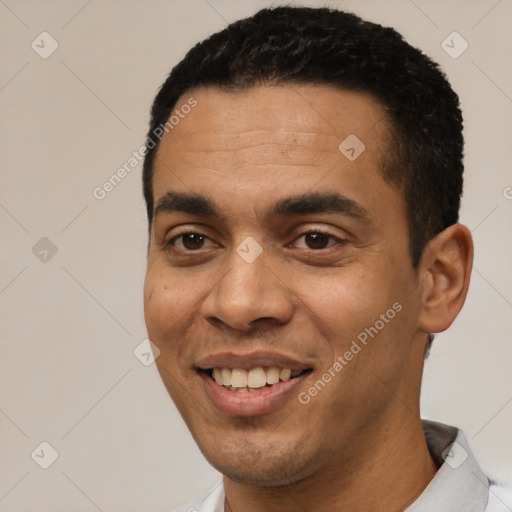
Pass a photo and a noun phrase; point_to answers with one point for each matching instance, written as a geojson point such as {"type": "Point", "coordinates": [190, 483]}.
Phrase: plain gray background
{"type": "Point", "coordinates": [71, 320]}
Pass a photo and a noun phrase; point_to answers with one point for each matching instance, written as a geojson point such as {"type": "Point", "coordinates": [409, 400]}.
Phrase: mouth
{"type": "Point", "coordinates": [251, 386]}
{"type": "Point", "coordinates": [253, 380]}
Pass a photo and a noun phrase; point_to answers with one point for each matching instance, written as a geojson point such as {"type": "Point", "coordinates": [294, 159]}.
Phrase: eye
{"type": "Point", "coordinates": [189, 241]}
{"type": "Point", "coordinates": [314, 240]}
{"type": "Point", "coordinates": [317, 240]}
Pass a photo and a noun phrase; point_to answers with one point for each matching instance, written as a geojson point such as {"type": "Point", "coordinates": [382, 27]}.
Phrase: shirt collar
{"type": "Point", "coordinates": [459, 483]}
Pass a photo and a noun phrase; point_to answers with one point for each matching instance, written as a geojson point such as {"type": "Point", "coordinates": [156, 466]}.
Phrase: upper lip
{"type": "Point", "coordinates": [250, 360]}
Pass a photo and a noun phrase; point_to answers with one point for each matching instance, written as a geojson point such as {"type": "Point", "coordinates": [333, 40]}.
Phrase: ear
{"type": "Point", "coordinates": [445, 271]}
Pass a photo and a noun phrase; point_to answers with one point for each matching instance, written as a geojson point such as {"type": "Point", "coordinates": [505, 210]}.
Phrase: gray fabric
{"type": "Point", "coordinates": [459, 484]}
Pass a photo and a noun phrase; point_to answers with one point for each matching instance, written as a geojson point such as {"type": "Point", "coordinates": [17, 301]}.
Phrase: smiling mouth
{"type": "Point", "coordinates": [254, 379]}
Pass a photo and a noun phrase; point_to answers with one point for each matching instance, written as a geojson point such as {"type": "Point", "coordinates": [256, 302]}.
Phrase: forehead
{"type": "Point", "coordinates": [257, 142]}
{"type": "Point", "coordinates": [314, 116]}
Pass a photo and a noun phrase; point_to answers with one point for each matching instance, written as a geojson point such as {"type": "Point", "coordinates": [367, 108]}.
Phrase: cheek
{"type": "Point", "coordinates": [165, 305]}
{"type": "Point", "coordinates": [157, 303]}
{"type": "Point", "coordinates": [344, 303]}
{"type": "Point", "coordinates": [363, 319]}
{"type": "Point", "coordinates": [165, 312]}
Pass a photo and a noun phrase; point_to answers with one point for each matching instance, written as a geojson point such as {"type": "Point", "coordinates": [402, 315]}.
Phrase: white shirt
{"type": "Point", "coordinates": [458, 486]}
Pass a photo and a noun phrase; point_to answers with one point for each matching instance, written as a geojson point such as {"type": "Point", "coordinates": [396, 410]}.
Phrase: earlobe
{"type": "Point", "coordinates": [446, 264]}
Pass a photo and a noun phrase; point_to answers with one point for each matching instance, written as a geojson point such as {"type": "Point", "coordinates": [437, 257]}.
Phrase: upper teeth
{"type": "Point", "coordinates": [254, 378]}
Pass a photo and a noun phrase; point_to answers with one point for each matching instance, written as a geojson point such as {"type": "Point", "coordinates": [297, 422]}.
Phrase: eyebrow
{"type": "Point", "coordinates": [303, 204]}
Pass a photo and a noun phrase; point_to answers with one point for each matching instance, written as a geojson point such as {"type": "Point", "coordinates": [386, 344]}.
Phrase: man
{"type": "Point", "coordinates": [303, 178]}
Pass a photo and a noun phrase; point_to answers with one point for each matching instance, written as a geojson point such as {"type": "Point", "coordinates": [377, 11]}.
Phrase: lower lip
{"type": "Point", "coordinates": [251, 403]}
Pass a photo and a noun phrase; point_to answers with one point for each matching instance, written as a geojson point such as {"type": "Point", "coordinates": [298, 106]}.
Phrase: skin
{"type": "Point", "coordinates": [358, 445]}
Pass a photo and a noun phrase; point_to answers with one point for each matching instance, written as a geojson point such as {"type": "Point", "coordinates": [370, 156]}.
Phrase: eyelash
{"type": "Point", "coordinates": [171, 241]}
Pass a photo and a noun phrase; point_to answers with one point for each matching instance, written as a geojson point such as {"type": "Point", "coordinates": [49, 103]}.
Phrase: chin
{"type": "Point", "coordinates": [277, 474]}
{"type": "Point", "coordinates": [262, 466]}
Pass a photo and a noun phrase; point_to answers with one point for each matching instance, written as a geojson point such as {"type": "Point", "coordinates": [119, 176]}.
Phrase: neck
{"type": "Point", "coordinates": [391, 477]}
{"type": "Point", "coordinates": [386, 470]}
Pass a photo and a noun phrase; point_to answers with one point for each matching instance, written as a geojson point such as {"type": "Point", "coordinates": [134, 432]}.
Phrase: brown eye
{"type": "Point", "coordinates": [193, 241]}
{"type": "Point", "coordinates": [188, 241]}
{"type": "Point", "coordinates": [316, 240]}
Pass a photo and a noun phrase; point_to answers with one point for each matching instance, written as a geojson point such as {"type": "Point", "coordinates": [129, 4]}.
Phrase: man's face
{"type": "Point", "coordinates": [282, 299]}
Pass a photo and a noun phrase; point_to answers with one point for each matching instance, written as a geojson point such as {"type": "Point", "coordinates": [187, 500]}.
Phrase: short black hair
{"type": "Point", "coordinates": [301, 45]}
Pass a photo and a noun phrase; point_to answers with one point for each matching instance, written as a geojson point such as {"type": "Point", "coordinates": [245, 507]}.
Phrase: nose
{"type": "Point", "coordinates": [249, 296]}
